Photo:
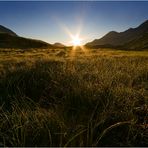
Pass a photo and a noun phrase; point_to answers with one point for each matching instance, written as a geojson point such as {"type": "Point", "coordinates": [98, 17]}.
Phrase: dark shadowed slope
{"type": "Point", "coordinates": [139, 43]}
{"type": "Point", "coordinates": [9, 39]}
{"type": "Point", "coordinates": [6, 30]}
{"type": "Point", "coordinates": [122, 38]}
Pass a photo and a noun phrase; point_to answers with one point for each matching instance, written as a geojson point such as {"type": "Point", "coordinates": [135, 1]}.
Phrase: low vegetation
{"type": "Point", "coordinates": [54, 97]}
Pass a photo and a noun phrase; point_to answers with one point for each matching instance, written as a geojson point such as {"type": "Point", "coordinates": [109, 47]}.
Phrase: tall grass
{"type": "Point", "coordinates": [98, 100]}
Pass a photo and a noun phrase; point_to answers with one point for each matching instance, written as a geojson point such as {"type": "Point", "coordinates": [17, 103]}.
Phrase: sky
{"type": "Point", "coordinates": [54, 21]}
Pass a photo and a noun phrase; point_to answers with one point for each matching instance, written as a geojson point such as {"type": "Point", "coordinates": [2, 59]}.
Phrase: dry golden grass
{"type": "Point", "coordinates": [57, 97]}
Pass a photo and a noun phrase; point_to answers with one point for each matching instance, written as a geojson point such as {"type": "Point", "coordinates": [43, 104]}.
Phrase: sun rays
{"type": "Point", "coordinates": [77, 46]}
{"type": "Point", "coordinates": [76, 42]}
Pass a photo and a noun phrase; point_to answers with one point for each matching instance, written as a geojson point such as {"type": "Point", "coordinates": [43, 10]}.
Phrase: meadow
{"type": "Point", "coordinates": [65, 97]}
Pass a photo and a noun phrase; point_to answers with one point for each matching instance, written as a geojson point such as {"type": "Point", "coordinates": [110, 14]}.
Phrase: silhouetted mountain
{"type": "Point", "coordinates": [115, 39]}
{"type": "Point", "coordinates": [139, 43]}
{"type": "Point", "coordinates": [58, 45]}
{"type": "Point", "coordinates": [9, 39]}
{"type": "Point", "coordinates": [6, 30]}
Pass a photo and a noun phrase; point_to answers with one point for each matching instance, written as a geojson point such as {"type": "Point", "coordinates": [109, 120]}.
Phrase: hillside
{"type": "Point", "coordinates": [6, 30]}
{"type": "Point", "coordinates": [123, 38]}
{"type": "Point", "coordinates": [139, 43]}
{"type": "Point", "coordinates": [9, 39]}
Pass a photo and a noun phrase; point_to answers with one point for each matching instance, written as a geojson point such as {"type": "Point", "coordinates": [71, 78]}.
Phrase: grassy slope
{"type": "Point", "coordinates": [49, 98]}
{"type": "Point", "coordinates": [140, 43]}
{"type": "Point", "coordinates": [8, 41]}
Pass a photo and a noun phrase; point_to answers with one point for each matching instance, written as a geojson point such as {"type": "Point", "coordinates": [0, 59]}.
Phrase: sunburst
{"type": "Point", "coordinates": [76, 41]}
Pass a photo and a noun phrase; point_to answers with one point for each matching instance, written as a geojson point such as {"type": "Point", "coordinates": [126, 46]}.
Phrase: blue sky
{"type": "Point", "coordinates": [46, 20]}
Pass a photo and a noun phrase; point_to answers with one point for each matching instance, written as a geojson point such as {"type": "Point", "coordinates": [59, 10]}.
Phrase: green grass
{"type": "Point", "coordinates": [49, 98]}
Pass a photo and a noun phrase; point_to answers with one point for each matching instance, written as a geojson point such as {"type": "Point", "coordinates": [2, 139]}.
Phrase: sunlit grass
{"type": "Point", "coordinates": [97, 99]}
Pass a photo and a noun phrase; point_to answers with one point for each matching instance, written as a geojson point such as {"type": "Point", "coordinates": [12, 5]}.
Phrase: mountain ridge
{"type": "Point", "coordinates": [132, 38]}
{"type": "Point", "coordinates": [9, 39]}
{"type": "Point", "coordinates": [114, 38]}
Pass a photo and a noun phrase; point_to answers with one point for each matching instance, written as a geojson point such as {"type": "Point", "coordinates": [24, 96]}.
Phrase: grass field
{"type": "Point", "coordinates": [64, 97]}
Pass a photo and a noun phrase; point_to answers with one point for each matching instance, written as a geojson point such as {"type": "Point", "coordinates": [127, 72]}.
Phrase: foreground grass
{"type": "Point", "coordinates": [49, 98]}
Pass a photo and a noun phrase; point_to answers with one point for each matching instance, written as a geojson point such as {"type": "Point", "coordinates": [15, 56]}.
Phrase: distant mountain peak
{"type": "Point", "coordinates": [112, 33]}
{"type": "Point", "coordinates": [114, 38]}
{"type": "Point", "coordinates": [130, 29]}
{"type": "Point", "coordinates": [57, 44]}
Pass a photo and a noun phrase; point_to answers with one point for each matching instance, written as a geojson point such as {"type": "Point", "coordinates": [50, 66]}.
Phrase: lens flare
{"type": "Point", "coordinates": [76, 40]}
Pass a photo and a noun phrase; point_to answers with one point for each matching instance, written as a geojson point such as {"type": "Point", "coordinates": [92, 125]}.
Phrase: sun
{"type": "Point", "coordinates": [76, 40]}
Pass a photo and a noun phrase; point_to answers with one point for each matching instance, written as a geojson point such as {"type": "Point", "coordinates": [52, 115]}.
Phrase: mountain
{"type": "Point", "coordinates": [9, 39]}
{"type": "Point", "coordinates": [123, 39]}
{"type": "Point", "coordinates": [139, 43]}
{"type": "Point", "coordinates": [58, 45]}
{"type": "Point", "coordinates": [6, 30]}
